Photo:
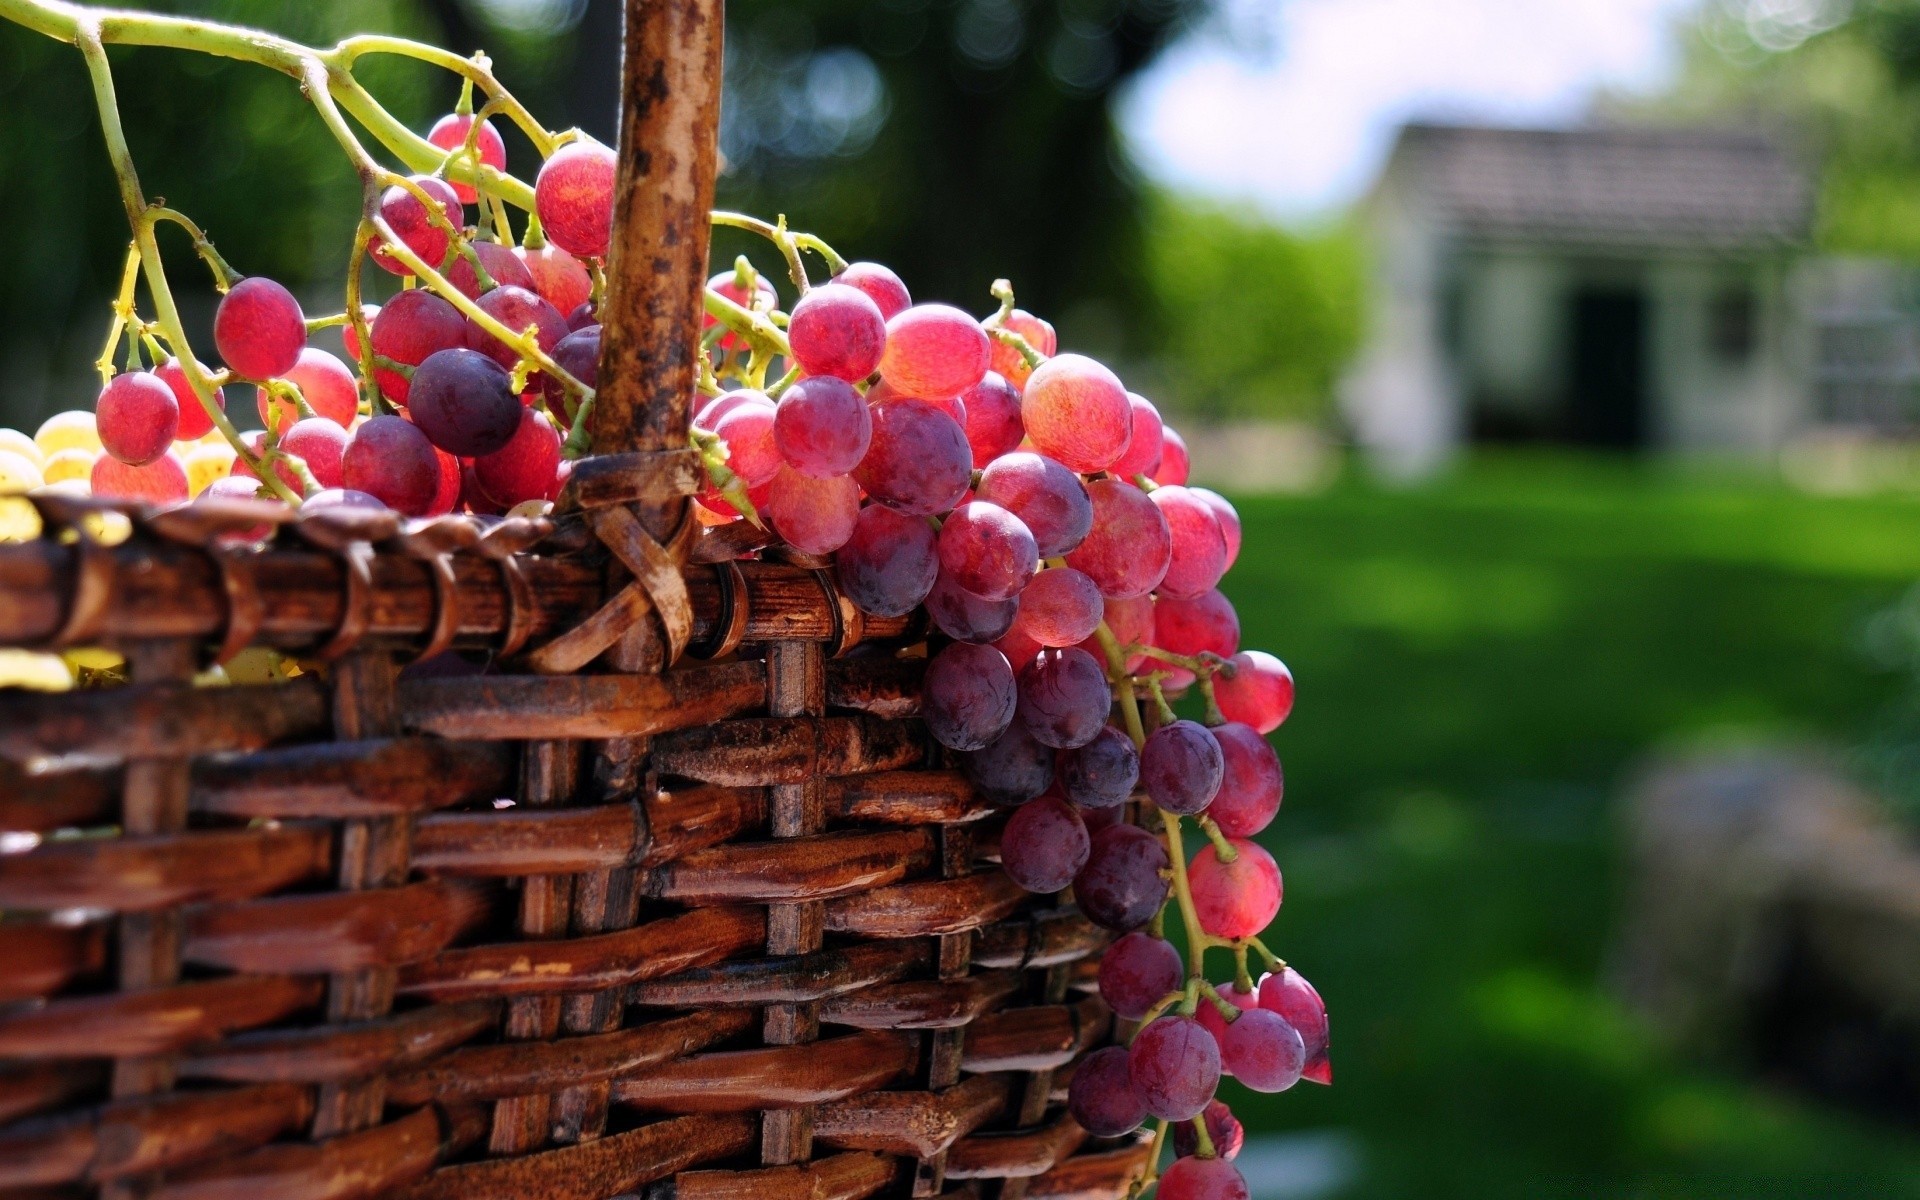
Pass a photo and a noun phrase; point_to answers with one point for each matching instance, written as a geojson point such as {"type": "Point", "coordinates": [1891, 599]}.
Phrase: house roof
{"type": "Point", "coordinates": [1620, 187]}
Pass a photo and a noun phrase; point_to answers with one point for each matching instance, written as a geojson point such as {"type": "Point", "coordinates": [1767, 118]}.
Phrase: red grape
{"type": "Point", "coordinates": [321, 444]}
{"type": "Point", "coordinates": [968, 696]}
{"type": "Point", "coordinates": [1102, 773]}
{"type": "Point", "coordinates": [450, 133]}
{"type": "Point", "coordinates": [394, 462]}
{"type": "Point", "coordinates": [889, 564]}
{"type": "Point", "coordinates": [822, 427]}
{"type": "Point", "coordinates": [1215, 1024]}
{"type": "Point", "coordinates": [1288, 993]}
{"type": "Point", "coordinates": [1222, 1126]}
{"type": "Point", "coordinates": [413, 225]}
{"type": "Point", "coordinates": [1127, 551]}
{"type": "Point", "coordinates": [1258, 693]}
{"type": "Point", "coordinates": [1102, 1098]}
{"type": "Point", "coordinates": [965, 617]}
{"type": "Point", "coordinates": [1175, 1066]}
{"type": "Point", "coordinates": [1008, 361]}
{"type": "Point", "coordinates": [137, 416]}
{"type": "Point", "coordinates": [1192, 626]}
{"type": "Point", "coordinates": [1013, 770]}
{"type": "Point", "coordinates": [1064, 697]}
{"type": "Point", "coordinates": [1121, 886]}
{"type": "Point", "coordinates": [987, 550]}
{"type": "Point", "coordinates": [881, 286]}
{"type": "Point", "coordinates": [473, 497]}
{"type": "Point", "coordinates": [349, 338]}
{"type": "Point", "coordinates": [162, 481]}
{"type": "Point", "coordinates": [259, 329]}
{"type": "Point", "coordinates": [727, 283]}
{"type": "Point", "coordinates": [1075, 410]}
{"type": "Point", "coordinates": [558, 276]}
{"type": "Point", "coordinates": [918, 462]}
{"type": "Point", "coordinates": [1050, 499]}
{"type": "Point", "coordinates": [1173, 467]}
{"type": "Point", "coordinates": [502, 265]}
{"type": "Point", "coordinates": [447, 496]}
{"type": "Point", "coordinates": [1060, 607]}
{"type": "Point", "coordinates": [1228, 517]}
{"type": "Point", "coordinates": [1181, 766]}
{"type": "Point", "coordinates": [325, 383]}
{"type": "Point", "coordinates": [573, 194]}
{"type": "Point", "coordinates": [1199, 549]}
{"type": "Point", "coordinates": [1143, 447]}
{"type": "Point", "coordinates": [1235, 899]}
{"type": "Point", "coordinates": [1137, 972]}
{"type": "Point", "coordinates": [993, 418]}
{"type": "Point", "coordinates": [256, 443]}
{"type": "Point", "coordinates": [1044, 845]}
{"type": "Point", "coordinates": [752, 452]}
{"type": "Point", "coordinates": [836, 330]}
{"type": "Point", "coordinates": [462, 400]}
{"type": "Point", "coordinates": [710, 414]}
{"type": "Point", "coordinates": [516, 308]}
{"type": "Point", "coordinates": [523, 469]}
{"type": "Point", "coordinates": [1250, 782]}
{"type": "Point", "coordinates": [194, 421]}
{"type": "Point", "coordinates": [815, 516]}
{"type": "Point", "coordinates": [1020, 649]}
{"type": "Point", "coordinates": [1131, 623]}
{"type": "Point", "coordinates": [410, 328]}
{"type": "Point", "coordinates": [1196, 1178]}
{"type": "Point", "coordinates": [934, 350]}
{"type": "Point", "coordinates": [1262, 1051]}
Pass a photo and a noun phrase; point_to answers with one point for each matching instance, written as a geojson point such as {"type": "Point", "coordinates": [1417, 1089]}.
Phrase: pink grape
{"type": "Point", "coordinates": [411, 328]}
{"type": "Point", "coordinates": [1136, 973]}
{"type": "Point", "coordinates": [1235, 899]}
{"type": "Point", "coordinates": [137, 416]}
{"type": "Point", "coordinates": [1064, 697]}
{"type": "Point", "coordinates": [815, 516]}
{"type": "Point", "coordinates": [1222, 1126]}
{"type": "Point", "coordinates": [1228, 517]}
{"type": "Point", "coordinates": [503, 266]}
{"type": "Point", "coordinates": [394, 462]}
{"type": "Point", "coordinates": [836, 330]}
{"type": "Point", "coordinates": [1102, 773]}
{"type": "Point", "coordinates": [822, 427]}
{"type": "Point", "coordinates": [160, 482]}
{"type": "Point", "coordinates": [259, 329]}
{"type": "Point", "coordinates": [1102, 1097]}
{"type": "Point", "coordinates": [1044, 845]}
{"type": "Point", "coordinates": [342, 498]}
{"type": "Point", "coordinates": [889, 564]}
{"type": "Point", "coordinates": [1143, 446]}
{"type": "Point", "coordinates": [1258, 693]}
{"type": "Point", "coordinates": [710, 415]}
{"type": "Point", "coordinates": [1121, 887]}
{"type": "Point", "coordinates": [1050, 499]}
{"type": "Point", "coordinates": [194, 421]}
{"type": "Point", "coordinates": [1215, 1024]}
{"type": "Point", "coordinates": [1196, 1178]}
{"type": "Point", "coordinates": [1199, 549]}
{"type": "Point", "coordinates": [1174, 461]}
{"type": "Point", "coordinates": [523, 469]}
{"type": "Point", "coordinates": [968, 696]}
{"type": "Point", "coordinates": [1288, 993]}
{"type": "Point", "coordinates": [413, 225]}
{"type": "Point", "coordinates": [1251, 781]}
{"type": "Point", "coordinates": [727, 283]}
{"type": "Point", "coordinates": [965, 617]}
{"type": "Point", "coordinates": [917, 462]}
{"type": "Point", "coordinates": [1181, 767]}
{"type": "Point", "coordinates": [462, 400]}
{"type": "Point", "coordinates": [934, 350]}
{"type": "Point", "coordinates": [351, 339]}
{"type": "Point", "coordinates": [1060, 607]}
{"type": "Point", "coordinates": [1131, 623]}
{"type": "Point", "coordinates": [1075, 411]}
{"type": "Point", "coordinates": [321, 444]}
{"type": "Point", "coordinates": [573, 194]}
{"type": "Point", "coordinates": [558, 276]}
{"type": "Point", "coordinates": [325, 383]}
{"type": "Point", "coordinates": [1009, 362]}
{"type": "Point", "coordinates": [881, 286]}
{"type": "Point", "coordinates": [987, 550]}
{"type": "Point", "coordinates": [450, 133]}
{"type": "Point", "coordinates": [1175, 1066]}
{"type": "Point", "coordinates": [1013, 769]}
{"type": "Point", "coordinates": [1129, 548]}
{"type": "Point", "coordinates": [1203, 624]}
{"type": "Point", "coordinates": [752, 452]}
{"type": "Point", "coordinates": [1263, 1052]}
{"type": "Point", "coordinates": [516, 308]}
{"type": "Point", "coordinates": [992, 418]}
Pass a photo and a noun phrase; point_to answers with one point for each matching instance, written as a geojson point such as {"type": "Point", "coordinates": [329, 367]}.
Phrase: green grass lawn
{"type": "Point", "coordinates": [1480, 664]}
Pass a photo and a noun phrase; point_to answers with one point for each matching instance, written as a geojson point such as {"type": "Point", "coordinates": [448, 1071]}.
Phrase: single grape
{"type": "Point", "coordinates": [727, 283]}
{"type": "Point", "coordinates": [1262, 1051]}
{"type": "Point", "coordinates": [822, 427]}
{"type": "Point", "coordinates": [578, 354]}
{"type": "Point", "coordinates": [1174, 462]}
{"type": "Point", "coordinates": [918, 462]}
{"type": "Point", "coordinates": [462, 400]}
{"type": "Point", "coordinates": [19, 475]}
{"type": "Point", "coordinates": [836, 330]}
{"type": "Point", "coordinates": [516, 308]}
{"type": "Point", "coordinates": [968, 696]}
{"type": "Point", "coordinates": [583, 316]}
{"type": "Point", "coordinates": [815, 516]}
{"type": "Point", "coordinates": [325, 383]}
{"type": "Point", "coordinates": [410, 328]}
{"type": "Point", "coordinates": [1059, 607]}
{"type": "Point", "coordinates": [934, 350]}
{"type": "Point", "coordinates": [1121, 886]}
{"type": "Point", "coordinates": [259, 329]}
{"type": "Point", "coordinates": [1211, 1020]}
{"type": "Point", "coordinates": [413, 225]}
{"type": "Point", "coordinates": [1064, 697]}
{"type": "Point", "coordinates": [450, 134]}
{"type": "Point", "coordinates": [1044, 845]}
{"type": "Point", "coordinates": [1143, 447]}
{"type": "Point", "coordinates": [1192, 626]}
{"type": "Point", "coordinates": [1228, 517]}
{"type": "Point", "coordinates": [1235, 899]}
{"type": "Point", "coordinates": [1199, 549]}
{"type": "Point", "coordinates": [889, 564]}
{"type": "Point", "coordinates": [1128, 550]}
{"type": "Point", "coordinates": [987, 550]}
{"type": "Point", "coordinates": [160, 482]}
{"type": "Point", "coordinates": [965, 617]}
{"type": "Point", "coordinates": [1075, 411]}
{"type": "Point", "coordinates": [394, 462]}
{"type": "Point", "coordinates": [1288, 993]}
{"type": "Point", "coordinates": [573, 195]}
{"type": "Point", "coordinates": [1050, 499]}
{"type": "Point", "coordinates": [1102, 773]}
{"type": "Point", "coordinates": [137, 415]}
{"type": "Point", "coordinates": [1222, 1127]}
{"type": "Point", "coordinates": [558, 276]}
{"type": "Point", "coordinates": [714, 410]}
{"type": "Point", "coordinates": [1195, 1178]}
{"type": "Point", "coordinates": [1136, 973]}
{"type": "Point", "coordinates": [1102, 1097]}
{"type": "Point", "coordinates": [74, 429]}
{"type": "Point", "coordinates": [321, 444]}
{"type": "Point", "coordinates": [1181, 767]}
{"type": "Point", "coordinates": [194, 421]}
{"type": "Point", "coordinates": [1175, 1066]}
{"type": "Point", "coordinates": [67, 465]}
{"type": "Point", "coordinates": [1250, 782]}
{"type": "Point", "coordinates": [1008, 361]}
{"type": "Point", "coordinates": [1258, 693]}
{"type": "Point", "coordinates": [881, 286]}
{"type": "Point", "coordinates": [1013, 770]}
{"type": "Point", "coordinates": [447, 496]}
{"type": "Point", "coordinates": [993, 418]}
{"type": "Point", "coordinates": [524, 468]}
{"type": "Point", "coordinates": [503, 266]}
{"type": "Point", "coordinates": [752, 452]}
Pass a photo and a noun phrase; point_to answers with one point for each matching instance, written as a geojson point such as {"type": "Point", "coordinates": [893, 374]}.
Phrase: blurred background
{"type": "Point", "coordinates": [1563, 357]}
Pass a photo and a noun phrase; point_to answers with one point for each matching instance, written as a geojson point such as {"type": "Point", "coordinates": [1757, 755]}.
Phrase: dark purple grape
{"type": "Point", "coordinates": [917, 462]}
{"type": "Point", "coordinates": [1014, 769]}
{"type": "Point", "coordinates": [1048, 497]}
{"type": "Point", "coordinates": [578, 354]}
{"type": "Point", "coordinates": [464, 402]}
{"type": "Point", "coordinates": [1137, 972]}
{"type": "Point", "coordinates": [1064, 698]}
{"type": "Point", "coordinates": [1222, 1126]}
{"type": "Point", "coordinates": [965, 617]}
{"type": "Point", "coordinates": [1121, 886]}
{"type": "Point", "coordinates": [1101, 773]}
{"type": "Point", "coordinates": [1175, 1066]}
{"type": "Point", "coordinates": [1181, 767]}
{"type": "Point", "coordinates": [968, 696]}
{"type": "Point", "coordinates": [1101, 1096]}
{"type": "Point", "coordinates": [889, 564]}
{"type": "Point", "coordinates": [1045, 843]}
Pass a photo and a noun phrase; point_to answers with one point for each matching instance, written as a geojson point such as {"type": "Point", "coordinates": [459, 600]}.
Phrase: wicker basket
{"type": "Point", "coordinates": [677, 898]}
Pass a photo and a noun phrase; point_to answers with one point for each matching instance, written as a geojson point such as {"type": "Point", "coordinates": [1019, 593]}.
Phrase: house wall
{"type": "Point", "coordinates": [1703, 399]}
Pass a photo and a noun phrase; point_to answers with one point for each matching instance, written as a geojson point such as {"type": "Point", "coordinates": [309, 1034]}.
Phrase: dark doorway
{"type": "Point", "coordinates": [1607, 395]}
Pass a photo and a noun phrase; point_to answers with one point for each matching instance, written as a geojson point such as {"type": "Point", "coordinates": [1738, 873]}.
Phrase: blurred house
{"type": "Point", "coordinates": [1625, 287]}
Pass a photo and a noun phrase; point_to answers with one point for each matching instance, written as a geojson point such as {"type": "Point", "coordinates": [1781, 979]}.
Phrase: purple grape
{"type": "Point", "coordinates": [822, 427]}
{"type": "Point", "coordinates": [1102, 1098]}
{"type": "Point", "coordinates": [1121, 887]}
{"type": "Point", "coordinates": [1101, 773]}
{"type": "Point", "coordinates": [1181, 767]}
{"type": "Point", "coordinates": [1048, 497]}
{"type": "Point", "coordinates": [1045, 843]}
{"type": "Point", "coordinates": [837, 330]}
{"type": "Point", "coordinates": [464, 402]}
{"type": "Point", "coordinates": [1064, 698]}
{"type": "Point", "coordinates": [1175, 1066]}
{"type": "Point", "coordinates": [1014, 769]}
{"type": "Point", "coordinates": [917, 462]}
{"type": "Point", "coordinates": [968, 696]}
{"type": "Point", "coordinates": [987, 550]}
{"type": "Point", "coordinates": [1263, 1051]}
{"type": "Point", "coordinates": [1137, 972]}
{"type": "Point", "coordinates": [889, 564]}
{"type": "Point", "coordinates": [993, 418]}
{"type": "Point", "coordinates": [965, 617]}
